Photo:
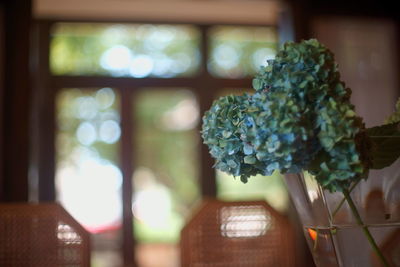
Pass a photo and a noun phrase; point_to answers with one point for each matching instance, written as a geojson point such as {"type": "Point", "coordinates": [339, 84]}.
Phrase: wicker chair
{"type": "Point", "coordinates": [41, 235]}
{"type": "Point", "coordinates": [234, 234]}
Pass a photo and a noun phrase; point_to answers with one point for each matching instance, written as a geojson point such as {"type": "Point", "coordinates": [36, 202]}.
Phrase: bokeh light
{"type": "Point", "coordinates": [109, 131]}
{"type": "Point", "coordinates": [128, 50]}
{"type": "Point", "coordinates": [237, 52]}
{"type": "Point", "coordinates": [87, 177]}
{"type": "Point", "coordinates": [116, 59]}
{"type": "Point", "coordinates": [166, 175]}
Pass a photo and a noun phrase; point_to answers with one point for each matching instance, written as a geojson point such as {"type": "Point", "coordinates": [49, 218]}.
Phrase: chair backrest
{"type": "Point", "coordinates": [249, 233]}
{"type": "Point", "coordinates": [42, 235]}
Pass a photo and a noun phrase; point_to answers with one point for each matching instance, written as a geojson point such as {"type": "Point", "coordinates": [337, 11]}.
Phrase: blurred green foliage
{"type": "Point", "coordinates": [75, 107]}
{"type": "Point", "coordinates": [170, 153]}
{"type": "Point", "coordinates": [237, 52]}
{"type": "Point", "coordinates": [157, 50]}
{"type": "Point", "coordinates": [271, 189]}
{"type": "Point", "coordinates": [114, 49]}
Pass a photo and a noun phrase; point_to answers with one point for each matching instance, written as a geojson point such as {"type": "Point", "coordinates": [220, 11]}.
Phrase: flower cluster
{"type": "Point", "coordinates": [225, 126]}
{"type": "Point", "coordinates": [299, 118]}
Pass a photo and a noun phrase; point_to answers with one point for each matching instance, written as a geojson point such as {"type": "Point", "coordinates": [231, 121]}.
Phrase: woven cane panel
{"type": "Point", "coordinates": [237, 234]}
{"type": "Point", "coordinates": [42, 235]}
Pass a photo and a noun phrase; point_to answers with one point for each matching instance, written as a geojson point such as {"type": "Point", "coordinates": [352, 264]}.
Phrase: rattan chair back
{"type": "Point", "coordinates": [233, 234]}
{"type": "Point", "coordinates": [41, 235]}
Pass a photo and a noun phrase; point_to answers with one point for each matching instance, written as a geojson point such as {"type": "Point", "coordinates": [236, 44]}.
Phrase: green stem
{"type": "Point", "coordinates": [367, 233]}
{"type": "Point", "coordinates": [344, 199]}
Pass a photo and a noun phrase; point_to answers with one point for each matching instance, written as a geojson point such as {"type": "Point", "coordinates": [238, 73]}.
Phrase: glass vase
{"type": "Point", "coordinates": [333, 233]}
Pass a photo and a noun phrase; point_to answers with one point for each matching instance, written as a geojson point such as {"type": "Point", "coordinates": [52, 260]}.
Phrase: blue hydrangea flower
{"type": "Point", "coordinates": [299, 118]}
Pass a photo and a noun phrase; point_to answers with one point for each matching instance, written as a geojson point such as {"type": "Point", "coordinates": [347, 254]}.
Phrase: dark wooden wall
{"type": "Point", "coordinates": [304, 11]}
{"type": "Point", "coordinates": [15, 93]}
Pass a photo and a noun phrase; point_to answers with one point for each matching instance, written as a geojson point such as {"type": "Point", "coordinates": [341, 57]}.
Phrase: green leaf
{"type": "Point", "coordinates": [385, 145]}
{"type": "Point", "coordinates": [383, 131]}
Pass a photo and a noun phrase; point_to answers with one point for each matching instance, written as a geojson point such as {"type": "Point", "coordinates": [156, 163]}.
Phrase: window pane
{"type": "Point", "coordinates": [166, 175]}
{"type": "Point", "coordinates": [271, 188]}
{"type": "Point", "coordinates": [130, 50]}
{"type": "Point", "coordinates": [88, 178]}
{"type": "Point", "coordinates": [240, 51]}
